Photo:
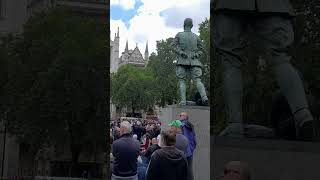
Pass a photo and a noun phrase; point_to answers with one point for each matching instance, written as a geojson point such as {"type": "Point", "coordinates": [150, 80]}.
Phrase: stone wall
{"type": "Point", "coordinates": [200, 118]}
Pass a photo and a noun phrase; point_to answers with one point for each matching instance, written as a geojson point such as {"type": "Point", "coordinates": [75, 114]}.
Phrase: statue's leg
{"type": "Point", "coordinates": [196, 73]}
{"type": "Point", "coordinates": [181, 74]}
{"type": "Point", "coordinates": [230, 44]}
{"type": "Point", "coordinates": [277, 35]}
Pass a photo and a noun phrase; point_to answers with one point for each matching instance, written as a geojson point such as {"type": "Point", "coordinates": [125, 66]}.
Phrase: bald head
{"type": "Point", "coordinates": [236, 169]}
{"type": "Point", "coordinates": [154, 141]}
{"type": "Point", "coordinates": [183, 116]}
{"type": "Point", "coordinates": [125, 127]}
{"type": "Point", "coordinates": [135, 137]}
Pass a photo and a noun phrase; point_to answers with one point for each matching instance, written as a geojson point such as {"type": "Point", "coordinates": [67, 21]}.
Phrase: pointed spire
{"type": "Point", "coordinates": [126, 49]}
{"type": "Point", "coordinates": [147, 51]}
{"type": "Point", "coordinates": [136, 44]}
{"type": "Point", "coordinates": [118, 35]}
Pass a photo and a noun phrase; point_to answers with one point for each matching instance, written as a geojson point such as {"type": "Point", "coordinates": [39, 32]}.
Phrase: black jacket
{"type": "Point", "coordinates": [151, 149]}
{"type": "Point", "coordinates": [125, 151]}
{"type": "Point", "coordinates": [139, 131]}
{"type": "Point", "coordinates": [167, 163]}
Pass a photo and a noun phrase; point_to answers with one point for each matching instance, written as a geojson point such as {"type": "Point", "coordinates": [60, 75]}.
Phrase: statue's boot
{"type": "Point", "coordinates": [292, 87]}
{"type": "Point", "coordinates": [232, 82]}
{"type": "Point", "coordinates": [201, 89]}
{"type": "Point", "coordinates": [182, 86]}
{"type": "Point", "coordinates": [205, 102]}
{"type": "Point", "coordinates": [233, 130]}
{"type": "Point", "coordinates": [305, 126]}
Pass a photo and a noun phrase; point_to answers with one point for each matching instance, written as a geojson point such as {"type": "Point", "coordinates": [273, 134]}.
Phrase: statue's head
{"type": "Point", "coordinates": [188, 23]}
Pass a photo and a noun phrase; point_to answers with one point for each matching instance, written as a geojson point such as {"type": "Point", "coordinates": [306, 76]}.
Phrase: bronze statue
{"type": "Point", "coordinates": [188, 47]}
{"type": "Point", "coordinates": [271, 22]}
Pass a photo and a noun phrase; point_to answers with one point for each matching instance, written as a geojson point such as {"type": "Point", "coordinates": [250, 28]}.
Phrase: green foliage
{"type": "Point", "coordinates": [204, 30]}
{"type": "Point", "coordinates": [161, 64]}
{"type": "Point", "coordinates": [56, 80]}
{"type": "Point", "coordinates": [133, 87]}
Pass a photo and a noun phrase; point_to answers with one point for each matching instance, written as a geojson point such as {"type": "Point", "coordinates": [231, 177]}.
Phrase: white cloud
{"type": "Point", "coordinates": [125, 4]}
{"type": "Point", "coordinates": [149, 25]}
{"type": "Point", "coordinates": [160, 5]}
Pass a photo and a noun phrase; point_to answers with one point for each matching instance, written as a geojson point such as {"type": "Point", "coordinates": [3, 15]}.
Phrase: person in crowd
{"type": "Point", "coordinates": [152, 148]}
{"type": "Point", "coordinates": [142, 172]}
{"type": "Point", "coordinates": [159, 139]}
{"type": "Point", "coordinates": [138, 130]}
{"type": "Point", "coordinates": [167, 163]}
{"type": "Point", "coordinates": [189, 132]}
{"type": "Point", "coordinates": [150, 131]}
{"type": "Point", "coordinates": [157, 130]}
{"type": "Point", "coordinates": [236, 170]}
{"type": "Point", "coordinates": [116, 133]}
{"type": "Point", "coordinates": [135, 137]}
{"type": "Point", "coordinates": [125, 151]}
{"type": "Point", "coordinates": [182, 141]}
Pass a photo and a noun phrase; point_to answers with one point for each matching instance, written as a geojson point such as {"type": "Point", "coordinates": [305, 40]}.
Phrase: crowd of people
{"type": "Point", "coordinates": [144, 151]}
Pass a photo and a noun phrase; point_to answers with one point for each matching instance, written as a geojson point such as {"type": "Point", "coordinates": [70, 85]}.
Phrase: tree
{"type": "Point", "coordinates": [133, 87]}
{"type": "Point", "coordinates": [161, 65]}
{"type": "Point", "coordinates": [204, 31]}
{"type": "Point", "coordinates": [56, 83]}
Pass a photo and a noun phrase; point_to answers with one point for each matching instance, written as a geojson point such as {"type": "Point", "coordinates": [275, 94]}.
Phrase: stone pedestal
{"type": "Point", "coordinates": [267, 159]}
{"type": "Point", "coordinates": [199, 116]}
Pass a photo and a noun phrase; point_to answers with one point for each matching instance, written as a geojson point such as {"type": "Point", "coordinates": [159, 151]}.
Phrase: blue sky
{"type": "Point", "coordinates": [118, 13]}
{"type": "Point", "coordinates": [140, 21]}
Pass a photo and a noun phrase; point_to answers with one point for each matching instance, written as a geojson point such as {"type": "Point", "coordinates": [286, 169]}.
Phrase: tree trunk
{"type": "Point", "coordinates": [133, 110]}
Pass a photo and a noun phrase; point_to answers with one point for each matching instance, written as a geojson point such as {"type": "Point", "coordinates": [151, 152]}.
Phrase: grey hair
{"type": "Point", "coordinates": [126, 126]}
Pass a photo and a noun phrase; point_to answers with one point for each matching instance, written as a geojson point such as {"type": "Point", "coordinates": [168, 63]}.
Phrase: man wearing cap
{"type": "Point", "coordinates": [189, 132]}
{"type": "Point", "coordinates": [188, 47]}
{"type": "Point", "coordinates": [181, 140]}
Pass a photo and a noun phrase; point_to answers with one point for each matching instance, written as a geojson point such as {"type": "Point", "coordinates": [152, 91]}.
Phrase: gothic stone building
{"type": "Point", "coordinates": [128, 56]}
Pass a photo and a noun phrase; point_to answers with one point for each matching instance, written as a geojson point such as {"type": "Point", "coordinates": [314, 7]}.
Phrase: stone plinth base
{"type": "Point", "coordinates": [267, 159]}
{"type": "Point", "coordinates": [199, 116]}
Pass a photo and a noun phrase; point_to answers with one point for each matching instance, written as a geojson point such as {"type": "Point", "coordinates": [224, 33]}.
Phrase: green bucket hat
{"type": "Point", "coordinates": [176, 123]}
